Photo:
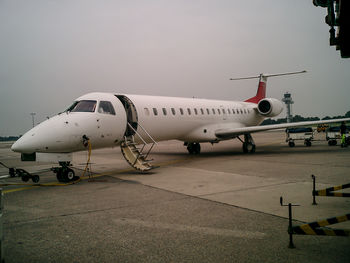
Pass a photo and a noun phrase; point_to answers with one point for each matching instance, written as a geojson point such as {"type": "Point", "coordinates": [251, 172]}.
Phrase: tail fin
{"type": "Point", "coordinates": [261, 93]}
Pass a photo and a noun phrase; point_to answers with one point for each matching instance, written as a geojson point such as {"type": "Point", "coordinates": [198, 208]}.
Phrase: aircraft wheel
{"type": "Point", "coordinates": [25, 178]}
{"type": "Point", "coordinates": [308, 143]}
{"type": "Point", "coordinates": [59, 176]}
{"type": "Point", "coordinates": [245, 147]}
{"type": "Point", "coordinates": [190, 148]}
{"type": "Point", "coordinates": [69, 175]}
{"type": "Point", "coordinates": [194, 148]}
{"type": "Point", "coordinates": [35, 179]}
{"type": "Point", "coordinates": [291, 144]}
{"type": "Point", "coordinates": [197, 148]}
{"type": "Point", "coordinates": [252, 148]}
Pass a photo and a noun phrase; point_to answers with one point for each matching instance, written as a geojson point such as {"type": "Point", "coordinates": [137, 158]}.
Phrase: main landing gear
{"type": "Point", "coordinates": [248, 144]}
{"type": "Point", "coordinates": [193, 147]}
{"type": "Point", "coordinates": [65, 174]}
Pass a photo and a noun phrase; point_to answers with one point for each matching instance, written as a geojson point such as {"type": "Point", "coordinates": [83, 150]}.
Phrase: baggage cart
{"type": "Point", "coordinates": [294, 134]}
{"type": "Point", "coordinates": [333, 134]}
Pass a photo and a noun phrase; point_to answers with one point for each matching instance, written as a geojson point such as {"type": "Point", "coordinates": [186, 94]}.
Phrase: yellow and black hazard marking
{"type": "Point", "coordinates": [317, 228]}
{"type": "Point", "coordinates": [330, 191]}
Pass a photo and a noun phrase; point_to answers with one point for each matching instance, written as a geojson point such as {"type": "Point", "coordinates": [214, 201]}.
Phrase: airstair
{"type": "Point", "coordinates": [136, 153]}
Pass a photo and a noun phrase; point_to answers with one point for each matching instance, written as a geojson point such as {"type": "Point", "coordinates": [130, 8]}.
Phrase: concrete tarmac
{"type": "Point", "coordinates": [219, 206]}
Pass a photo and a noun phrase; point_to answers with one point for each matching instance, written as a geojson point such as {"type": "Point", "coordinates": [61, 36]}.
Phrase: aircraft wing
{"type": "Point", "coordinates": [234, 132]}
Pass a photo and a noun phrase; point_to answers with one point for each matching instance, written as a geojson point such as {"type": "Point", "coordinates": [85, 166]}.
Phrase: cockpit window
{"type": "Point", "coordinates": [83, 106]}
{"type": "Point", "coordinates": [106, 107]}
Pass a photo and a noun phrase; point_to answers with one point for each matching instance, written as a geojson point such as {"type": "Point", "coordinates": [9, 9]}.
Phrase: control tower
{"type": "Point", "coordinates": [287, 99]}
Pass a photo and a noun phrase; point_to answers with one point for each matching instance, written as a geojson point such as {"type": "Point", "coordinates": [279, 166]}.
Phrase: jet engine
{"type": "Point", "coordinates": [270, 107]}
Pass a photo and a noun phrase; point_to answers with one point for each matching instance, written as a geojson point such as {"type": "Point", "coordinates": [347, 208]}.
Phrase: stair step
{"type": "Point", "coordinates": [134, 155]}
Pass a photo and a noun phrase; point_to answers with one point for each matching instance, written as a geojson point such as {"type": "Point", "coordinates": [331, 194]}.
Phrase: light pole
{"type": "Point", "coordinates": [33, 114]}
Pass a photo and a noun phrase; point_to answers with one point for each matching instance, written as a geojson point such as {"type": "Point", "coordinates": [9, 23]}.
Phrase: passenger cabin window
{"type": "Point", "coordinates": [173, 111]}
{"type": "Point", "coordinates": [202, 111]}
{"type": "Point", "coordinates": [213, 111]}
{"type": "Point", "coordinates": [229, 111]}
{"type": "Point", "coordinates": [155, 112]}
{"type": "Point", "coordinates": [164, 111]}
{"type": "Point", "coordinates": [181, 111]}
{"type": "Point", "coordinates": [83, 106]}
{"type": "Point", "coordinates": [189, 111]}
{"type": "Point", "coordinates": [106, 107]}
{"type": "Point", "coordinates": [208, 112]}
{"type": "Point", "coordinates": [219, 111]}
{"type": "Point", "coordinates": [195, 111]}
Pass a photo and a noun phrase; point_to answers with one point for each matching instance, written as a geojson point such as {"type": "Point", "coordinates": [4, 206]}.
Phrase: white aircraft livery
{"type": "Point", "coordinates": [100, 120]}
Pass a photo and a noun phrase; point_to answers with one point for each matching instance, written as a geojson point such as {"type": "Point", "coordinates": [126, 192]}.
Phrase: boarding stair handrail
{"type": "Point", "coordinates": [142, 139]}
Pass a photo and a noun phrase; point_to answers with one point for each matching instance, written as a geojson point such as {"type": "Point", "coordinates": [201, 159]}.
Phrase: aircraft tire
{"type": "Point", "coordinates": [69, 175]}
{"type": "Point", "coordinates": [252, 150]}
{"type": "Point", "coordinates": [59, 176]}
{"type": "Point", "coordinates": [194, 148]}
{"type": "Point", "coordinates": [25, 178]}
{"type": "Point", "coordinates": [35, 178]}
{"type": "Point", "coordinates": [245, 147]}
{"type": "Point", "coordinates": [197, 148]}
{"type": "Point", "coordinates": [190, 148]}
{"type": "Point", "coordinates": [308, 143]}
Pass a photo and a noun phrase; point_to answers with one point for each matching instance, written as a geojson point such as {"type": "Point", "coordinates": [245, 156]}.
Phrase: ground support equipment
{"type": "Point", "coordinates": [294, 134]}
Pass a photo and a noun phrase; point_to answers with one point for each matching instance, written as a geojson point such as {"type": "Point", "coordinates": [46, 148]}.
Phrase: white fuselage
{"type": "Point", "coordinates": [164, 118]}
{"type": "Point", "coordinates": [191, 119]}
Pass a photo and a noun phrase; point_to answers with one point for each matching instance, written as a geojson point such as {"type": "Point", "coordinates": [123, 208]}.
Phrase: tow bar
{"type": "Point", "coordinates": [18, 172]}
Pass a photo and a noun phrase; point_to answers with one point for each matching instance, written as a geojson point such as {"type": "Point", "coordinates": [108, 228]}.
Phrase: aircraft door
{"type": "Point", "coordinates": [111, 121]}
{"type": "Point", "coordinates": [131, 115]}
{"type": "Point", "coordinates": [224, 112]}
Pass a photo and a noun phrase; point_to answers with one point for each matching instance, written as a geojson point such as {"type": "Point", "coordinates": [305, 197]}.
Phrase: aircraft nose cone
{"type": "Point", "coordinates": [22, 146]}
{"type": "Point", "coordinates": [15, 147]}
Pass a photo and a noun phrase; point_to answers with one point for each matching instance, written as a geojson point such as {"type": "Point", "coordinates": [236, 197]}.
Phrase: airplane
{"type": "Point", "coordinates": [99, 120]}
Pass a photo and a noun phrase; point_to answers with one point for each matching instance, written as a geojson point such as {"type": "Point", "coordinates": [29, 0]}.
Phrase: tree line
{"type": "Point", "coordinates": [298, 118]}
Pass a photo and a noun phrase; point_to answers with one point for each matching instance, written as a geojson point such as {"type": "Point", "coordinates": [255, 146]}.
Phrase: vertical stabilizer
{"type": "Point", "coordinates": [261, 92]}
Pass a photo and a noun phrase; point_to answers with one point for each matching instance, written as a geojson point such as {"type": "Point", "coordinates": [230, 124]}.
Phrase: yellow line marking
{"type": "Point", "coordinates": [329, 232]}
{"type": "Point", "coordinates": [307, 229]}
{"type": "Point", "coordinates": [342, 219]}
{"type": "Point", "coordinates": [322, 192]}
{"type": "Point", "coordinates": [336, 188]}
{"type": "Point", "coordinates": [323, 223]}
{"type": "Point", "coordinates": [18, 189]}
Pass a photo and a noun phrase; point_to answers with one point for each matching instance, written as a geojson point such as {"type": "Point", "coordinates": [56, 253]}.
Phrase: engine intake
{"type": "Point", "coordinates": [269, 107]}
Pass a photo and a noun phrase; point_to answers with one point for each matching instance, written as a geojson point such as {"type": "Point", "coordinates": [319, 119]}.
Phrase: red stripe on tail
{"type": "Point", "coordinates": [260, 94]}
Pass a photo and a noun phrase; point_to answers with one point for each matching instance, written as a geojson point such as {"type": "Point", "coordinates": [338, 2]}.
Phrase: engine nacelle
{"type": "Point", "coordinates": [270, 107]}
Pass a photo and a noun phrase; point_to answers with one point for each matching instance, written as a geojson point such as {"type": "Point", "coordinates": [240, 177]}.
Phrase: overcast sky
{"type": "Point", "coordinates": [53, 51]}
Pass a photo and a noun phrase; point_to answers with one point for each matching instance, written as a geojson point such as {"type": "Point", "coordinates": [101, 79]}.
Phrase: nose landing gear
{"type": "Point", "coordinates": [193, 147]}
{"type": "Point", "coordinates": [65, 174]}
